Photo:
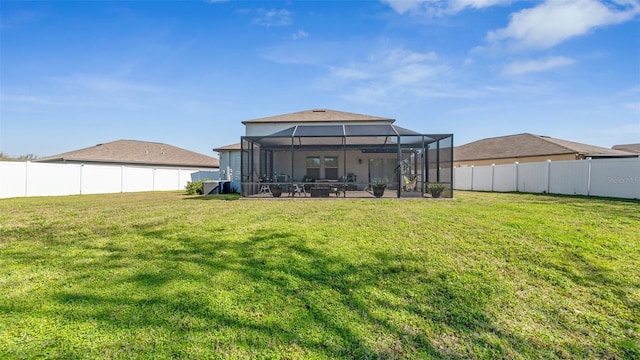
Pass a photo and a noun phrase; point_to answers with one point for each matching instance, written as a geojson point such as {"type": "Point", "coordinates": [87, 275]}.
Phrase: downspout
{"type": "Point", "coordinates": [423, 166]}
{"type": "Point", "coordinates": [344, 161]}
{"type": "Point", "coordinates": [292, 162]}
{"type": "Point", "coordinates": [451, 165]}
{"type": "Point", "coordinates": [438, 160]}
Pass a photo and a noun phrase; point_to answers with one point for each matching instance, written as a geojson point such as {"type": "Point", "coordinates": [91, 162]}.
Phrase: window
{"type": "Point", "coordinates": [331, 167]}
{"type": "Point", "coordinates": [313, 167]}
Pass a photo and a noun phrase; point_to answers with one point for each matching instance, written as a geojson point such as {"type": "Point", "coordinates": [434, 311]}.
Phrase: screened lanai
{"type": "Point", "coordinates": [346, 161]}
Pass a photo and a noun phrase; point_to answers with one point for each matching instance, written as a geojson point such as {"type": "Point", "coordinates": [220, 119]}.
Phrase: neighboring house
{"type": "Point", "coordinates": [323, 145]}
{"type": "Point", "coordinates": [634, 148]}
{"type": "Point", "coordinates": [528, 148]}
{"type": "Point", "coordinates": [137, 153]}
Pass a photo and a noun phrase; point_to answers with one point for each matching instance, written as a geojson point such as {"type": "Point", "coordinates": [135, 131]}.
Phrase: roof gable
{"type": "Point", "coordinates": [525, 145]}
{"type": "Point", "coordinates": [136, 152]}
{"type": "Point", "coordinates": [319, 115]}
{"type": "Point", "coordinates": [634, 148]}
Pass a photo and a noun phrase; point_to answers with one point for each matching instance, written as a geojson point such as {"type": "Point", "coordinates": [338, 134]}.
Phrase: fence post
{"type": "Point", "coordinates": [471, 178]}
{"type": "Point", "coordinates": [493, 175]}
{"type": "Point", "coordinates": [517, 179]}
{"type": "Point", "coordinates": [589, 176]}
{"type": "Point", "coordinates": [81, 168]}
{"type": "Point", "coordinates": [548, 175]}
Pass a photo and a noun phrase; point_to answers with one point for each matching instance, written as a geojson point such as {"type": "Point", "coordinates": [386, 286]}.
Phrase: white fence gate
{"type": "Point", "coordinates": [18, 179]}
{"type": "Point", "coordinates": [603, 177]}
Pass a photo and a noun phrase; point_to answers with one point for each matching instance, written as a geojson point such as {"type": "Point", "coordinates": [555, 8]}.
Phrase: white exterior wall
{"type": "Point", "coordinates": [602, 177]}
{"type": "Point", "coordinates": [230, 166]}
{"type": "Point", "coordinates": [18, 179]}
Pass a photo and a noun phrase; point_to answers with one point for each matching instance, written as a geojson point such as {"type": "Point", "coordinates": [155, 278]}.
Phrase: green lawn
{"type": "Point", "coordinates": [164, 275]}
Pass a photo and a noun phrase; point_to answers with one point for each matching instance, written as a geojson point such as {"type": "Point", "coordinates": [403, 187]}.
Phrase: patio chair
{"type": "Point", "coordinates": [297, 189]}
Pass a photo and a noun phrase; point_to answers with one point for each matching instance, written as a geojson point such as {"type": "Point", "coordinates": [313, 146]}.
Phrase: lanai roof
{"type": "Point", "coordinates": [344, 135]}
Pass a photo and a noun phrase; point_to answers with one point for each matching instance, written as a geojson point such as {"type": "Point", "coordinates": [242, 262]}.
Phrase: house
{"type": "Point", "coordinates": [528, 148]}
{"type": "Point", "coordinates": [324, 151]}
{"type": "Point", "coordinates": [633, 148]}
{"type": "Point", "coordinates": [137, 153]}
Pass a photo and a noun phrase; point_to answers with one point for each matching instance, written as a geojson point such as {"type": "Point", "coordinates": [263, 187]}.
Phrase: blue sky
{"type": "Point", "coordinates": [186, 73]}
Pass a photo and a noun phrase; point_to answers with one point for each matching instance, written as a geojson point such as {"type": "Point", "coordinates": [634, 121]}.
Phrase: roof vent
{"type": "Point", "coordinates": [99, 144]}
{"type": "Point", "coordinates": [319, 111]}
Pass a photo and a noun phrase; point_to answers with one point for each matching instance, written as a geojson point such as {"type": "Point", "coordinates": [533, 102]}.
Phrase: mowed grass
{"type": "Point", "coordinates": [164, 275]}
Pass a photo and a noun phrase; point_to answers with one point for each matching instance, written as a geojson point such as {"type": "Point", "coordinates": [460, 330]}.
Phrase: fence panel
{"type": "Point", "coordinates": [462, 177]}
{"type": "Point", "coordinates": [616, 178]}
{"type": "Point", "coordinates": [13, 179]}
{"type": "Point", "coordinates": [53, 179]}
{"type": "Point", "coordinates": [165, 179]}
{"type": "Point", "coordinates": [569, 177]}
{"type": "Point", "coordinates": [482, 178]}
{"type": "Point", "coordinates": [137, 179]}
{"type": "Point", "coordinates": [101, 179]}
{"type": "Point", "coordinates": [532, 177]}
{"type": "Point", "coordinates": [505, 178]}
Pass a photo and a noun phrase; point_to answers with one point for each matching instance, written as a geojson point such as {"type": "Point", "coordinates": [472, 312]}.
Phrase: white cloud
{"type": "Point", "coordinates": [300, 34]}
{"type": "Point", "coordinates": [273, 17]}
{"type": "Point", "coordinates": [388, 76]}
{"type": "Point", "coordinates": [528, 66]}
{"type": "Point", "coordinates": [555, 21]}
{"type": "Point", "coordinates": [439, 8]}
{"type": "Point", "coordinates": [403, 6]}
{"type": "Point", "coordinates": [106, 84]}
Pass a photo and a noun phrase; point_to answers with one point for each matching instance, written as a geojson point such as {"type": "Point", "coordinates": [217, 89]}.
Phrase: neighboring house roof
{"type": "Point", "coordinates": [634, 148]}
{"type": "Point", "coordinates": [525, 145]}
{"type": "Point", "coordinates": [318, 115]}
{"type": "Point", "coordinates": [136, 152]}
{"type": "Point", "coordinates": [231, 147]}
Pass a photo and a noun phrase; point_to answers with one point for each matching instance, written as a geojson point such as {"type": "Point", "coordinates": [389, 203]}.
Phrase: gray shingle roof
{"type": "Point", "coordinates": [237, 146]}
{"type": "Point", "coordinates": [136, 152]}
{"type": "Point", "coordinates": [524, 145]}
{"type": "Point", "coordinates": [634, 148]}
{"type": "Point", "coordinates": [319, 115]}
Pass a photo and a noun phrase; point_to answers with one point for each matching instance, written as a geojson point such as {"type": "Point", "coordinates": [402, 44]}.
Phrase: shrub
{"type": "Point", "coordinates": [194, 187]}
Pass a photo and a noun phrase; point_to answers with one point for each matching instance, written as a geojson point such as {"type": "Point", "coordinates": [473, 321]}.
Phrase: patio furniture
{"type": "Point", "coordinates": [337, 189]}
{"type": "Point", "coordinates": [298, 189]}
{"type": "Point", "coordinates": [264, 186]}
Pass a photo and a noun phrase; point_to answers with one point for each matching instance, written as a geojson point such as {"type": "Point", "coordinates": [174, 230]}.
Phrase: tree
{"type": "Point", "coordinates": [7, 157]}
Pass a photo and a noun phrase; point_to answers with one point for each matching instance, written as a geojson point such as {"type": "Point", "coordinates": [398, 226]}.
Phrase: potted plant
{"type": "Point", "coordinates": [378, 187]}
{"type": "Point", "coordinates": [351, 179]}
{"type": "Point", "coordinates": [436, 189]}
{"type": "Point", "coordinates": [276, 190]}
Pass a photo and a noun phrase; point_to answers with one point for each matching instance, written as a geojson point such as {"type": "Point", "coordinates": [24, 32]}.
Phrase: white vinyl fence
{"type": "Point", "coordinates": [618, 178]}
{"type": "Point", "coordinates": [19, 179]}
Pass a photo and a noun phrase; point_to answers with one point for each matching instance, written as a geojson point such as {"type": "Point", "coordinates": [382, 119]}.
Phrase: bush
{"type": "Point", "coordinates": [194, 187]}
